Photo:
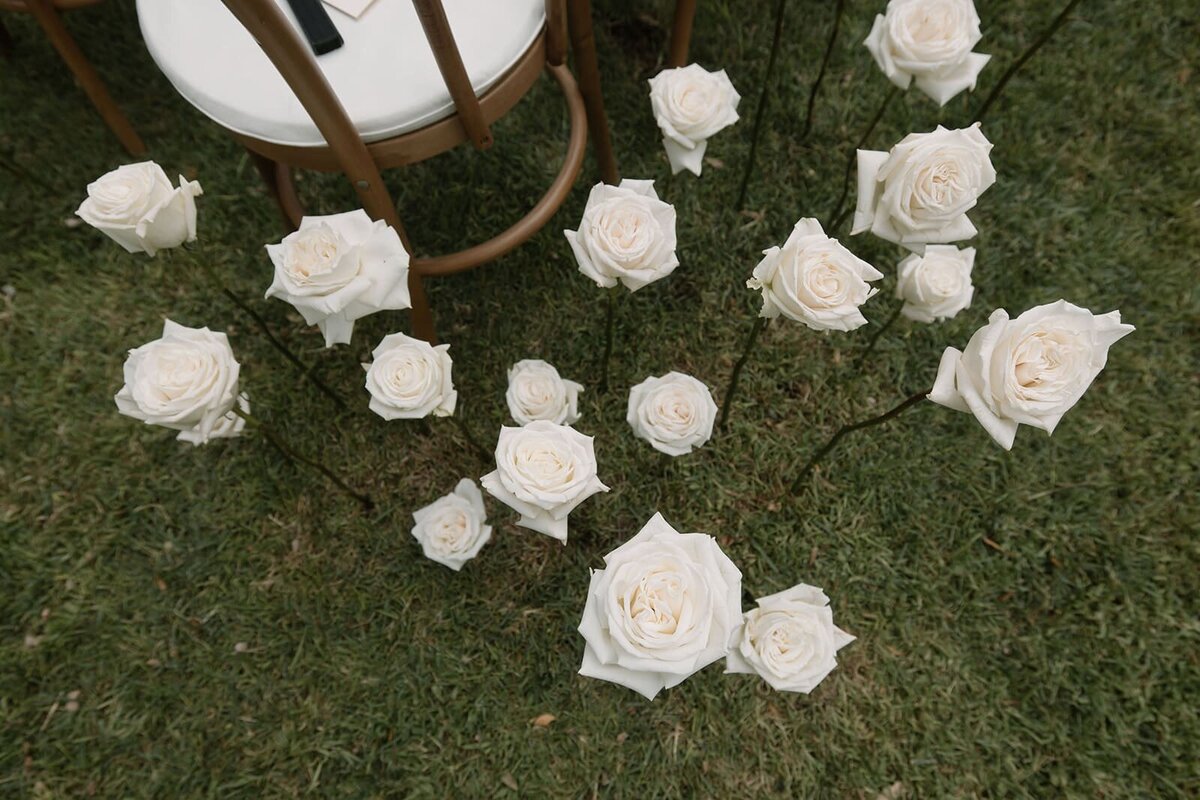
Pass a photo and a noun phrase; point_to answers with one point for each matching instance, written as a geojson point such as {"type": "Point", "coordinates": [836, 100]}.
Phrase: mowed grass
{"type": "Point", "coordinates": [179, 622]}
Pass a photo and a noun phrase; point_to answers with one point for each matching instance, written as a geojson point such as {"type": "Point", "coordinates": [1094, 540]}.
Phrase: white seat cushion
{"type": "Point", "coordinates": [384, 75]}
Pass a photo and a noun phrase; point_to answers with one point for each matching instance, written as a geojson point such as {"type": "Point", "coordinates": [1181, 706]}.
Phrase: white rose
{"type": "Point", "coordinates": [453, 528]}
{"type": "Point", "coordinates": [186, 381]}
{"type": "Point", "coordinates": [536, 391]}
{"type": "Point", "coordinates": [674, 413]}
{"type": "Point", "coordinates": [410, 379]}
{"type": "Point", "coordinates": [338, 268]}
{"type": "Point", "coordinates": [136, 206]}
{"type": "Point", "coordinates": [790, 640]}
{"type": "Point", "coordinates": [627, 234]}
{"type": "Point", "coordinates": [936, 285]}
{"type": "Point", "coordinates": [666, 605]}
{"type": "Point", "coordinates": [543, 471]}
{"type": "Point", "coordinates": [815, 280]}
{"type": "Point", "coordinates": [690, 105]}
{"type": "Point", "coordinates": [229, 426]}
{"type": "Point", "coordinates": [931, 41]}
{"type": "Point", "coordinates": [1029, 370]}
{"type": "Point", "coordinates": [921, 191]}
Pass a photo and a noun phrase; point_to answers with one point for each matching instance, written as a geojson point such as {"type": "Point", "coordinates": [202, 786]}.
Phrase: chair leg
{"type": "Point", "coordinates": [422, 314]}
{"type": "Point", "coordinates": [583, 42]}
{"type": "Point", "coordinates": [43, 11]}
{"type": "Point", "coordinates": [278, 179]}
{"type": "Point", "coordinates": [6, 42]}
{"type": "Point", "coordinates": [681, 32]}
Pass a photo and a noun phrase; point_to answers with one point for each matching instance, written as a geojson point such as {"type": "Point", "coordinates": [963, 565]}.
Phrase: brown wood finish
{"type": "Point", "coordinates": [454, 74]}
{"type": "Point", "coordinates": [681, 33]}
{"type": "Point", "coordinates": [583, 43]}
{"type": "Point", "coordinates": [45, 12]}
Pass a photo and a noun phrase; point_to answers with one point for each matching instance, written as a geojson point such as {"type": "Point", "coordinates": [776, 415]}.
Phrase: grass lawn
{"type": "Point", "coordinates": [187, 622]}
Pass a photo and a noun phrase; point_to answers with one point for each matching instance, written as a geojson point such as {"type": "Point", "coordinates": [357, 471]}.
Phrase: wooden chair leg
{"type": "Point", "coordinates": [583, 43]}
{"type": "Point", "coordinates": [681, 32]}
{"type": "Point", "coordinates": [43, 11]}
{"type": "Point", "coordinates": [289, 207]}
{"type": "Point", "coordinates": [6, 42]}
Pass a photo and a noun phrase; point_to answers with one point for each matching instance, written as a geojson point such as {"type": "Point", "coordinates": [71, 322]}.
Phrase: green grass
{"type": "Point", "coordinates": [1026, 621]}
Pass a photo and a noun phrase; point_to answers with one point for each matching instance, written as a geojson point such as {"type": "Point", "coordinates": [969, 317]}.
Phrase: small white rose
{"type": "Point", "coordinates": [410, 379]}
{"type": "Point", "coordinates": [453, 528]}
{"type": "Point", "coordinates": [339, 268]}
{"type": "Point", "coordinates": [543, 471]}
{"type": "Point", "coordinates": [187, 381]}
{"type": "Point", "coordinates": [666, 605]}
{"type": "Point", "coordinates": [1028, 370]}
{"type": "Point", "coordinates": [790, 640]}
{"type": "Point", "coordinates": [627, 234]}
{"type": "Point", "coordinates": [936, 285]}
{"type": "Point", "coordinates": [921, 191]}
{"type": "Point", "coordinates": [815, 280]}
{"type": "Point", "coordinates": [674, 413]}
{"type": "Point", "coordinates": [536, 391]}
{"type": "Point", "coordinates": [136, 206]}
{"type": "Point", "coordinates": [691, 104]}
{"type": "Point", "coordinates": [930, 41]}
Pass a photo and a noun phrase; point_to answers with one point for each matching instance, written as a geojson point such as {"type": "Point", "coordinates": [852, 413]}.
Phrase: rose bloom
{"type": "Point", "coordinates": [136, 206]}
{"type": "Point", "coordinates": [453, 528]}
{"type": "Point", "coordinates": [937, 285]}
{"type": "Point", "coordinates": [627, 234]}
{"type": "Point", "coordinates": [790, 640]}
{"type": "Point", "coordinates": [1030, 370]}
{"type": "Point", "coordinates": [536, 391]}
{"type": "Point", "coordinates": [928, 41]}
{"type": "Point", "coordinates": [410, 379]}
{"type": "Point", "coordinates": [815, 280]}
{"type": "Point", "coordinates": [666, 605]}
{"type": "Point", "coordinates": [187, 381]}
{"type": "Point", "coordinates": [674, 413]}
{"type": "Point", "coordinates": [543, 471]}
{"type": "Point", "coordinates": [921, 191]}
{"type": "Point", "coordinates": [339, 268]}
{"type": "Point", "coordinates": [691, 104]}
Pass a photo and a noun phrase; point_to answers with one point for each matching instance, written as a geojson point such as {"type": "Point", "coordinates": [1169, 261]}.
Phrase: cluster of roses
{"type": "Point", "coordinates": [666, 604]}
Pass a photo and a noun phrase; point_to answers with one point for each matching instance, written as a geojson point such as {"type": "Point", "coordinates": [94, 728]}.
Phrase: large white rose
{"type": "Point", "coordinates": [410, 379]}
{"type": "Point", "coordinates": [543, 471]}
{"type": "Point", "coordinates": [1029, 370]}
{"type": "Point", "coordinates": [627, 234]}
{"type": "Point", "coordinates": [790, 640]}
{"type": "Point", "coordinates": [936, 285]}
{"type": "Point", "coordinates": [931, 41]}
{"type": "Point", "coordinates": [666, 605]}
{"type": "Point", "coordinates": [339, 268]}
{"type": "Point", "coordinates": [136, 206]}
{"type": "Point", "coordinates": [453, 528]}
{"type": "Point", "coordinates": [674, 413]}
{"type": "Point", "coordinates": [921, 191]}
{"type": "Point", "coordinates": [536, 391]}
{"type": "Point", "coordinates": [690, 105]}
{"type": "Point", "coordinates": [186, 381]}
{"type": "Point", "coordinates": [815, 280]}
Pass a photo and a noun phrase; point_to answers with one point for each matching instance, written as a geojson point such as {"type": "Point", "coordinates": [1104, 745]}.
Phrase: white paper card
{"type": "Point", "coordinates": [354, 8]}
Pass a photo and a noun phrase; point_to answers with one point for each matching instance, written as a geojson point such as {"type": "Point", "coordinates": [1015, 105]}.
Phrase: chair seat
{"type": "Point", "coordinates": [385, 74]}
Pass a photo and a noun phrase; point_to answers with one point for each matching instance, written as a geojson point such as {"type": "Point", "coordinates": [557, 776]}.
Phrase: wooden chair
{"type": "Point", "coordinates": [681, 33]}
{"type": "Point", "coordinates": [45, 12]}
{"type": "Point", "coordinates": [378, 138]}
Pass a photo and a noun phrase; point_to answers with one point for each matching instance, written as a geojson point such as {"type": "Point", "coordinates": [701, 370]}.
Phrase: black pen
{"type": "Point", "coordinates": [318, 28]}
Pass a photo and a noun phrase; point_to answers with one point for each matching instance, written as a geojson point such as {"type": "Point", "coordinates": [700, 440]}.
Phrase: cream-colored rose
{"type": "Point", "coordinates": [453, 528]}
{"type": "Point", "coordinates": [666, 605]}
{"type": "Point", "coordinates": [136, 206]}
{"type": "Point", "coordinates": [790, 640]}
{"type": "Point", "coordinates": [627, 234]}
{"type": "Point", "coordinates": [229, 426]}
{"type": "Point", "coordinates": [536, 391]}
{"type": "Point", "coordinates": [936, 285]}
{"type": "Point", "coordinates": [187, 381]}
{"type": "Point", "coordinates": [929, 41]}
{"type": "Point", "coordinates": [543, 471]}
{"type": "Point", "coordinates": [815, 280]}
{"type": "Point", "coordinates": [1028, 370]}
{"type": "Point", "coordinates": [674, 413]}
{"type": "Point", "coordinates": [410, 379]}
{"type": "Point", "coordinates": [690, 105]}
{"type": "Point", "coordinates": [339, 268]}
{"type": "Point", "coordinates": [921, 191]}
